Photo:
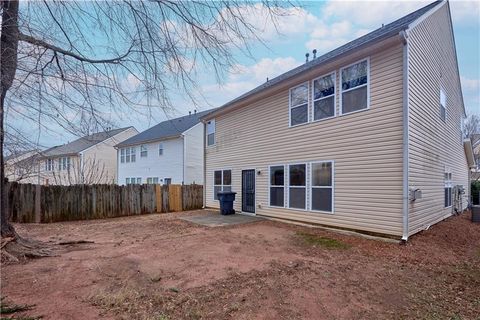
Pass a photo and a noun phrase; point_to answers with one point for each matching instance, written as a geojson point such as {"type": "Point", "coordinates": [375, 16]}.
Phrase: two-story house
{"type": "Point", "coordinates": [365, 137]}
{"type": "Point", "coordinates": [169, 152]}
{"type": "Point", "coordinates": [88, 160]}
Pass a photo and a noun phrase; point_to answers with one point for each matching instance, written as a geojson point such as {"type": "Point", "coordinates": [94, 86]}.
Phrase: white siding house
{"type": "Point", "coordinates": [170, 152]}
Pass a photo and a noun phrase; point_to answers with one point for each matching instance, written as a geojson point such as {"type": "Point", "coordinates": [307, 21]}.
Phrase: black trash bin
{"type": "Point", "coordinates": [226, 199]}
{"type": "Point", "coordinates": [476, 213]}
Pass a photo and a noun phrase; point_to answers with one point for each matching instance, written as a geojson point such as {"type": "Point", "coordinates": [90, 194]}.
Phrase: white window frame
{"type": "Point", "coordinates": [130, 154]}
{"type": "Point", "coordinates": [270, 184]}
{"type": "Point", "coordinates": [334, 73]}
{"type": "Point", "coordinates": [143, 151]}
{"type": "Point", "coordinates": [290, 107]}
{"type": "Point", "coordinates": [122, 155]}
{"type": "Point", "coordinates": [64, 163]}
{"type": "Point", "coordinates": [160, 149]}
{"type": "Point", "coordinates": [305, 187]}
{"type": "Point", "coordinates": [49, 165]}
{"type": "Point", "coordinates": [357, 87]}
{"type": "Point", "coordinates": [443, 104]}
{"type": "Point", "coordinates": [211, 129]}
{"type": "Point", "coordinates": [222, 185]}
{"type": "Point", "coordinates": [447, 177]}
{"type": "Point", "coordinates": [311, 186]}
{"type": "Point", "coordinates": [139, 180]}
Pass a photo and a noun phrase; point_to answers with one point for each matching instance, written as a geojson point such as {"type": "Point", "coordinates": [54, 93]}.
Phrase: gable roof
{"type": "Point", "coordinates": [82, 143]}
{"type": "Point", "coordinates": [385, 32]}
{"type": "Point", "coordinates": [166, 129]}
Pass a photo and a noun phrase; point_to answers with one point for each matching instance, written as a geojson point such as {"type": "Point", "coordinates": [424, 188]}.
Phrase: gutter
{"type": "Point", "coordinates": [405, 196]}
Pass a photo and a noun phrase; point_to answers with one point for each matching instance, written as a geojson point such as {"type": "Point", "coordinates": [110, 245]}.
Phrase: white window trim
{"type": "Point", "coordinates": [442, 91]}
{"type": "Point", "coordinates": [122, 155]}
{"type": "Point", "coordinates": [214, 124]}
{"type": "Point", "coordinates": [447, 184]}
{"type": "Point", "coordinates": [334, 73]}
{"type": "Point", "coordinates": [160, 147]}
{"type": "Point", "coordinates": [270, 185]}
{"type": "Point", "coordinates": [323, 187]}
{"type": "Point", "coordinates": [222, 185]}
{"type": "Point", "coordinates": [305, 187]}
{"type": "Point", "coordinates": [143, 148]}
{"type": "Point", "coordinates": [290, 107]}
{"type": "Point", "coordinates": [341, 113]}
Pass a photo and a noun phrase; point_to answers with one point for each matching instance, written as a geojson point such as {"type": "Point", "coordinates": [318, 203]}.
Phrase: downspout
{"type": "Point", "coordinates": [405, 199]}
{"type": "Point", "coordinates": [204, 138]}
{"type": "Point", "coordinates": [183, 159]}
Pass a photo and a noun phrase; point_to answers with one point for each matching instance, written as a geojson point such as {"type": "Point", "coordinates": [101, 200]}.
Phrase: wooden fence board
{"type": "Point", "coordinates": [30, 203]}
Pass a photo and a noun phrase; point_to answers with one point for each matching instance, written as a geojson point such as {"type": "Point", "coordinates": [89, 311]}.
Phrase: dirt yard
{"type": "Point", "coordinates": [160, 267]}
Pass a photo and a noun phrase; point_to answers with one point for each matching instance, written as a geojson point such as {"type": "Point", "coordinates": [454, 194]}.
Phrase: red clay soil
{"type": "Point", "coordinates": [160, 267]}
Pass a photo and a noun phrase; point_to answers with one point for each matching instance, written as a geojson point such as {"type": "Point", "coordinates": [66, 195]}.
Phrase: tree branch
{"type": "Point", "coordinates": [41, 43]}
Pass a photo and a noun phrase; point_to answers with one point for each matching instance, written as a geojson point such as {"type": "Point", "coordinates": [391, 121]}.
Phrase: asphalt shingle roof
{"type": "Point", "coordinates": [81, 143]}
{"type": "Point", "coordinates": [166, 129]}
{"type": "Point", "coordinates": [382, 33]}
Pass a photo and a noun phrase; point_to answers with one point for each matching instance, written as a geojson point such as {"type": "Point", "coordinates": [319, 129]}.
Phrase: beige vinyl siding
{"type": "Point", "coordinates": [366, 148]}
{"type": "Point", "coordinates": [101, 158]}
{"type": "Point", "coordinates": [433, 143]}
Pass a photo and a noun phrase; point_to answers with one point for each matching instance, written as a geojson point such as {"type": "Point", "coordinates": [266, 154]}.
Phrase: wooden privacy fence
{"type": "Point", "coordinates": [36, 203]}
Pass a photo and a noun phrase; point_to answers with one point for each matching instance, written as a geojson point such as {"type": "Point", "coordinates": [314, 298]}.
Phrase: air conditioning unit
{"type": "Point", "coordinates": [459, 189]}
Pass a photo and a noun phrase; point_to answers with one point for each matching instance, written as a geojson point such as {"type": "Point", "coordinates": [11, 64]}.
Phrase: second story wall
{"type": "Point", "coordinates": [167, 165]}
{"type": "Point", "coordinates": [101, 159]}
{"type": "Point", "coordinates": [193, 150]}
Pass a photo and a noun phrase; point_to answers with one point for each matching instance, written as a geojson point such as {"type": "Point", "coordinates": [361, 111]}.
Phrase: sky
{"type": "Point", "coordinates": [321, 25]}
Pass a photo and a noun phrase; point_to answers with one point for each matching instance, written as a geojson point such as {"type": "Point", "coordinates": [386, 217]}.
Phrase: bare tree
{"type": "Point", "coordinates": [62, 61]}
{"type": "Point", "coordinates": [471, 128]}
{"type": "Point", "coordinates": [85, 171]}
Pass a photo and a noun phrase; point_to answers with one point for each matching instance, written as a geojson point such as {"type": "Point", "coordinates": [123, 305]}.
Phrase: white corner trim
{"type": "Point", "coordinates": [426, 15]}
{"type": "Point", "coordinates": [405, 160]}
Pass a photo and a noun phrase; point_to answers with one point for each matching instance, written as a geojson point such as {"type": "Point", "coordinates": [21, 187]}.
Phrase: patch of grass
{"type": "Point", "coordinates": [324, 242]}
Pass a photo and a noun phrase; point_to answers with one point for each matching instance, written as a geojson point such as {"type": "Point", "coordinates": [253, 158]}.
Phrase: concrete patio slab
{"type": "Point", "coordinates": [218, 220]}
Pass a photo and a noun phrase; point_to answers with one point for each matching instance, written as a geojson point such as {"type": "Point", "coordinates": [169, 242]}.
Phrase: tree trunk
{"type": "Point", "coordinates": [8, 67]}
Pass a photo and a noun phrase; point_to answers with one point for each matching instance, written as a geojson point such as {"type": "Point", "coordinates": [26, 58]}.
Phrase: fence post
{"type": "Point", "coordinates": [38, 201]}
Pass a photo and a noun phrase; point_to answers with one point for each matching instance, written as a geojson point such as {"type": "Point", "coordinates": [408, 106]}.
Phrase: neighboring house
{"type": "Point", "coordinates": [21, 166]}
{"type": "Point", "coordinates": [476, 153]}
{"type": "Point", "coordinates": [170, 152]}
{"type": "Point", "coordinates": [365, 137]}
{"type": "Point", "coordinates": [87, 160]}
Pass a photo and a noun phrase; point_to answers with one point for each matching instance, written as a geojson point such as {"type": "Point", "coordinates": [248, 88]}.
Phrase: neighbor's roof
{"type": "Point", "coordinates": [19, 154]}
{"type": "Point", "coordinates": [166, 129]}
{"type": "Point", "coordinates": [82, 143]}
{"type": "Point", "coordinates": [375, 36]}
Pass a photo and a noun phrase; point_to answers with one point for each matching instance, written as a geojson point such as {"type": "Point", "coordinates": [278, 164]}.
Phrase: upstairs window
{"type": "Point", "coordinates": [211, 132]}
{"type": "Point", "coordinates": [355, 87]}
{"type": "Point", "coordinates": [160, 149]}
{"type": "Point", "coordinates": [443, 105]}
{"type": "Point", "coordinates": [49, 165]}
{"type": "Point", "coordinates": [143, 151]}
{"type": "Point", "coordinates": [297, 186]}
{"type": "Point", "coordinates": [64, 163]}
{"type": "Point", "coordinates": [448, 189]}
{"type": "Point", "coordinates": [122, 155]}
{"type": "Point", "coordinates": [322, 186]}
{"type": "Point", "coordinates": [324, 97]}
{"type": "Point", "coordinates": [222, 182]}
{"type": "Point", "coordinates": [299, 104]}
{"type": "Point", "coordinates": [277, 186]}
{"type": "Point", "coordinates": [130, 155]}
